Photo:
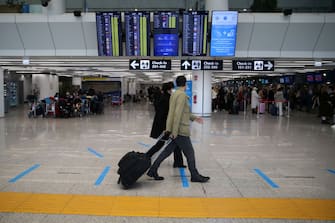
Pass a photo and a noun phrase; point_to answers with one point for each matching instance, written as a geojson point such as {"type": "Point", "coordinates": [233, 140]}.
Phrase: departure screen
{"type": "Point", "coordinates": [109, 33]}
{"type": "Point", "coordinates": [137, 28]}
{"type": "Point", "coordinates": [166, 33]}
{"type": "Point", "coordinates": [195, 33]}
{"type": "Point", "coordinates": [223, 35]}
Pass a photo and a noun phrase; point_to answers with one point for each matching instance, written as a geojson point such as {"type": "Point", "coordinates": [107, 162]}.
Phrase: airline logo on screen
{"type": "Point", "coordinates": [149, 64]}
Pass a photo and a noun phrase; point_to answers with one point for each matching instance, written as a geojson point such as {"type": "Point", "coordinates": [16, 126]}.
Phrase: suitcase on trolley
{"type": "Point", "coordinates": [134, 164]}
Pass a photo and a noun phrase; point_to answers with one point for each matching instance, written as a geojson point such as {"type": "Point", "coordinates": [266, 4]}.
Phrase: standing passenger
{"type": "Point", "coordinates": [279, 98]}
{"type": "Point", "coordinates": [254, 100]}
{"type": "Point", "coordinates": [271, 98]}
{"type": "Point", "coordinates": [178, 123]}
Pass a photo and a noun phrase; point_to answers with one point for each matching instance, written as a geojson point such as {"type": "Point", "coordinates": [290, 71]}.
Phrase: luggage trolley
{"type": "Point", "coordinates": [116, 98]}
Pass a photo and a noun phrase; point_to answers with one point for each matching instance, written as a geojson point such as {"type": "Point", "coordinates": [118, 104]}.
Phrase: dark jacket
{"type": "Point", "coordinates": [325, 105]}
{"type": "Point", "coordinates": [162, 109]}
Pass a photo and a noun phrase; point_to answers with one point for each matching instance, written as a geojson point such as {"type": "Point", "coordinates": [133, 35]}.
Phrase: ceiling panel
{"type": "Point", "coordinates": [68, 35]}
{"type": "Point", "coordinates": [267, 35]}
{"type": "Point", "coordinates": [302, 35]}
{"type": "Point", "coordinates": [10, 42]}
{"type": "Point", "coordinates": [326, 44]}
{"type": "Point", "coordinates": [90, 34]}
{"type": "Point", "coordinates": [35, 33]}
{"type": "Point", "coordinates": [244, 31]}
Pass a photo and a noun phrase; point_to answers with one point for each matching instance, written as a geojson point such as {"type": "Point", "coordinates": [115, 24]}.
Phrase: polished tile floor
{"type": "Point", "coordinates": [246, 157]}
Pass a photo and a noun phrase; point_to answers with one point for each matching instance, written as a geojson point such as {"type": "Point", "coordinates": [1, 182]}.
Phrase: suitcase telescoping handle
{"type": "Point", "coordinates": [164, 136]}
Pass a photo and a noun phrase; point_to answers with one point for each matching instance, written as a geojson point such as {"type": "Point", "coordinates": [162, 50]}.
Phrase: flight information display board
{"type": "Point", "coordinates": [195, 33]}
{"type": "Point", "coordinates": [109, 33]}
{"type": "Point", "coordinates": [165, 31]}
{"type": "Point", "coordinates": [137, 28]}
{"type": "Point", "coordinates": [223, 35]}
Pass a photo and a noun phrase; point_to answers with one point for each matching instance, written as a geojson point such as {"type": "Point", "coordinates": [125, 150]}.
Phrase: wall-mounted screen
{"type": "Point", "coordinates": [165, 31]}
{"type": "Point", "coordinates": [109, 33]}
{"type": "Point", "coordinates": [265, 81]}
{"type": "Point", "coordinates": [289, 79]}
{"type": "Point", "coordinates": [137, 28]}
{"type": "Point", "coordinates": [310, 78]}
{"type": "Point", "coordinates": [318, 78]}
{"type": "Point", "coordinates": [223, 34]}
{"type": "Point", "coordinates": [195, 33]}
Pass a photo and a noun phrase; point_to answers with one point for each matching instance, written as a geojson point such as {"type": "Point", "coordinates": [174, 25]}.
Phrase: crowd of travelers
{"type": "Point", "coordinates": [74, 104]}
{"type": "Point", "coordinates": [319, 99]}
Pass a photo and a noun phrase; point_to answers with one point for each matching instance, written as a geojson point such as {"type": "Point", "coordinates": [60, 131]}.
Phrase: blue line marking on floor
{"type": "Point", "coordinates": [183, 177]}
{"type": "Point", "coordinates": [102, 176]}
{"type": "Point", "coordinates": [19, 176]}
{"type": "Point", "coordinates": [145, 145]}
{"type": "Point", "coordinates": [331, 171]}
{"type": "Point", "coordinates": [95, 152]}
{"type": "Point", "coordinates": [266, 178]}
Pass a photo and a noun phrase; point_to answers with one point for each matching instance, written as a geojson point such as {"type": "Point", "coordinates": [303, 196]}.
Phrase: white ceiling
{"type": "Point", "coordinates": [67, 45]}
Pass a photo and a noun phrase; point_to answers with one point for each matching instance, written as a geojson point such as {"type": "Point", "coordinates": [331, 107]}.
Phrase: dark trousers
{"type": "Point", "coordinates": [178, 157]}
{"type": "Point", "coordinates": [183, 142]}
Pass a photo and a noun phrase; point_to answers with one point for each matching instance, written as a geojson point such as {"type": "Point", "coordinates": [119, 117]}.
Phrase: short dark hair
{"type": "Point", "coordinates": [171, 84]}
{"type": "Point", "coordinates": [166, 87]}
{"type": "Point", "coordinates": [181, 81]}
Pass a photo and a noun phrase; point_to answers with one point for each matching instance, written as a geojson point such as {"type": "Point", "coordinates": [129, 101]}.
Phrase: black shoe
{"type": "Point", "coordinates": [154, 175]}
{"type": "Point", "coordinates": [200, 179]}
{"type": "Point", "coordinates": [179, 166]}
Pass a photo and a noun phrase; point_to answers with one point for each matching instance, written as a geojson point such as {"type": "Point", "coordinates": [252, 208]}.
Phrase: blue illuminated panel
{"type": "Point", "coordinates": [188, 92]}
{"type": "Point", "coordinates": [166, 37]}
{"type": "Point", "coordinates": [166, 44]}
{"type": "Point", "coordinates": [223, 35]}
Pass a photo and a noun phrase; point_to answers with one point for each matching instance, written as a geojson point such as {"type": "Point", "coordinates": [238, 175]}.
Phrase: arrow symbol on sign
{"type": "Point", "coordinates": [269, 65]}
{"type": "Point", "coordinates": [134, 64]}
{"type": "Point", "coordinates": [186, 64]}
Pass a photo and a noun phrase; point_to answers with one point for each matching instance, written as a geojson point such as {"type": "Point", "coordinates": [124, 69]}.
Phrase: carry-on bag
{"type": "Point", "coordinates": [261, 108]}
{"type": "Point", "coordinates": [134, 164]}
{"type": "Point", "coordinates": [273, 109]}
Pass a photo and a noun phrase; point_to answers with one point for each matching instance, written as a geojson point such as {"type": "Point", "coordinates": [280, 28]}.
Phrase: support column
{"type": "Point", "coordinates": [2, 96]}
{"type": "Point", "coordinates": [202, 93]}
{"type": "Point", "coordinates": [76, 81]}
{"type": "Point", "coordinates": [2, 111]}
{"type": "Point", "coordinates": [216, 5]}
{"type": "Point", "coordinates": [55, 7]}
{"type": "Point", "coordinates": [45, 85]}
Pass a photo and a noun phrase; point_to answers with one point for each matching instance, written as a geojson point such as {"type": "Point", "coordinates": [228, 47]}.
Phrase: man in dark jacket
{"type": "Point", "coordinates": [159, 124]}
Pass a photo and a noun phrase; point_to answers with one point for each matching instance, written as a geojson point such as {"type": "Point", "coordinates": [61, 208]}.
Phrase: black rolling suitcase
{"type": "Point", "coordinates": [134, 164]}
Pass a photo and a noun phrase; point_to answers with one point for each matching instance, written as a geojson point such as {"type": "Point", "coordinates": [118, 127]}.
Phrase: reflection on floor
{"type": "Point", "coordinates": [246, 157]}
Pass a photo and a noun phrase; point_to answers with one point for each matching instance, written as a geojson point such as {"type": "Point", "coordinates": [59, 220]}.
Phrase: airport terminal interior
{"type": "Point", "coordinates": [83, 81]}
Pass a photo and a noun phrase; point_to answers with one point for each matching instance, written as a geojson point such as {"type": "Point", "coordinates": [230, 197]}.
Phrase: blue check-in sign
{"type": "Point", "coordinates": [188, 92]}
{"type": "Point", "coordinates": [223, 35]}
